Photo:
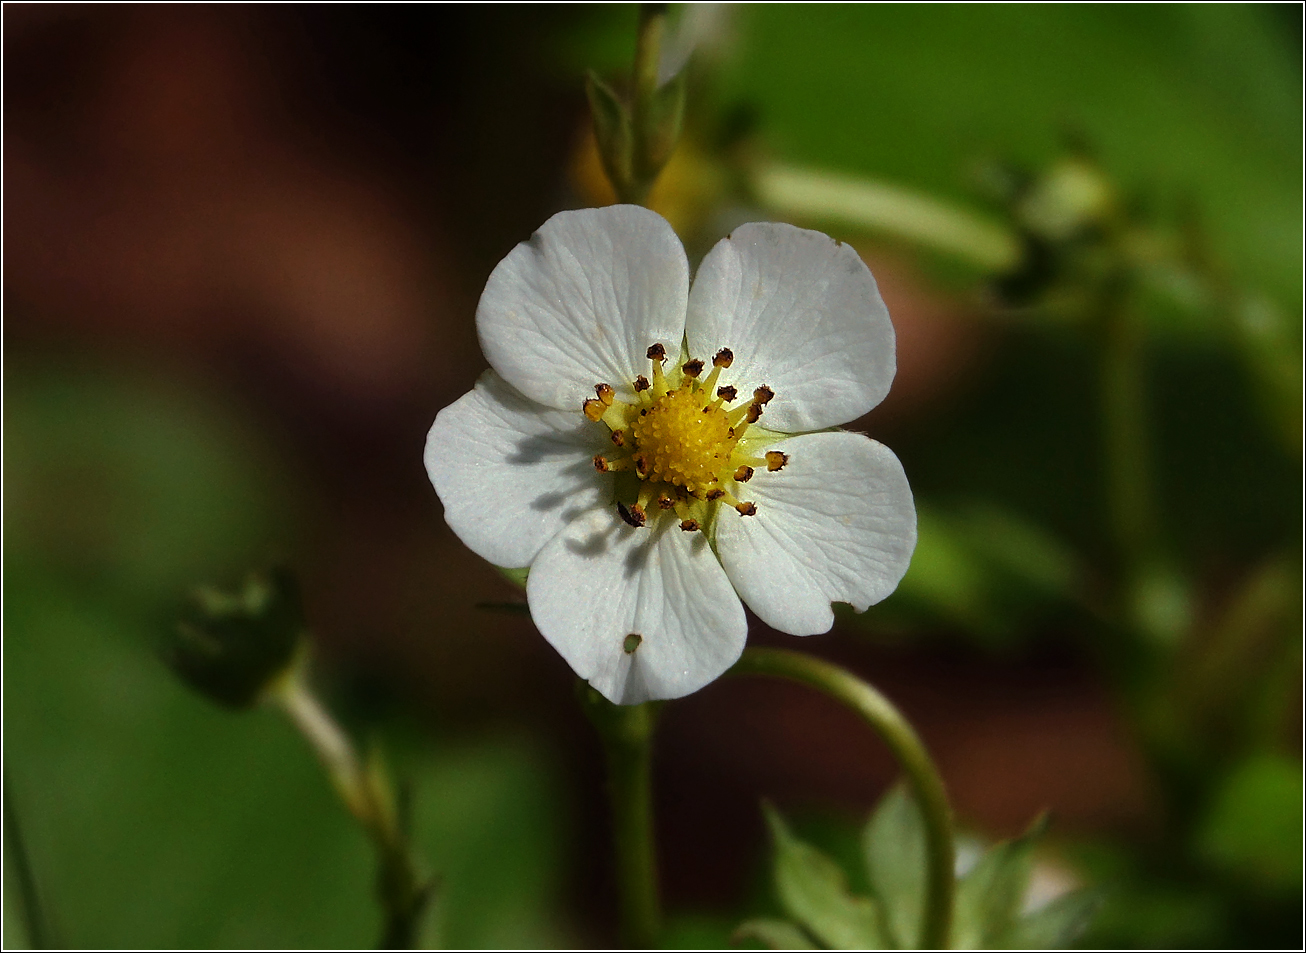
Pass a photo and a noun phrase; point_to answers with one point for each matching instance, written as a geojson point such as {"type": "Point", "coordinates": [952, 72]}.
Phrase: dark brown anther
{"type": "Point", "coordinates": [724, 358]}
{"type": "Point", "coordinates": [727, 393]}
{"type": "Point", "coordinates": [763, 395]}
{"type": "Point", "coordinates": [665, 502]}
{"type": "Point", "coordinates": [775, 460]}
{"type": "Point", "coordinates": [689, 526]}
{"type": "Point", "coordinates": [641, 383]}
{"type": "Point", "coordinates": [657, 353]}
{"type": "Point", "coordinates": [594, 409]}
{"type": "Point", "coordinates": [600, 463]}
{"type": "Point", "coordinates": [746, 509]}
{"type": "Point", "coordinates": [619, 437]}
{"type": "Point", "coordinates": [693, 368]}
{"type": "Point", "coordinates": [743, 474]}
{"type": "Point", "coordinates": [754, 411]}
{"type": "Point", "coordinates": [605, 393]}
{"type": "Point", "coordinates": [715, 493]}
{"type": "Point", "coordinates": [634, 516]}
{"type": "Point", "coordinates": [641, 464]}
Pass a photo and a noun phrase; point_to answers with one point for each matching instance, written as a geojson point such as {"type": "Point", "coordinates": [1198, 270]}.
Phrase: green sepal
{"type": "Point", "coordinates": [1055, 926]}
{"type": "Point", "coordinates": [894, 846]}
{"type": "Point", "coordinates": [230, 646]}
{"type": "Point", "coordinates": [515, 576]}
{"type": "Point", "coordinates": [612, 130]}
{"type": "Point", "coordinates": [660, 123]}
{"type": "Point", "coordinates": [773, 935]}
{"type": "Point", "coordinates": [814, 891]}
{"type": "Point", "coordinates": [990, 895]}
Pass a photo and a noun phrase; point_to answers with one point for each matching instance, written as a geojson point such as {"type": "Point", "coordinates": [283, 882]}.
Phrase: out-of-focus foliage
{"type": "Point", "coordinates": [824, 911]}
{"type": "Point", "coordinates": [150, 817]}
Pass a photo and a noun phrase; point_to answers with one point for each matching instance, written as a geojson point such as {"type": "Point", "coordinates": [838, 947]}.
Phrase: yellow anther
{"type": "Point", "coordinates": [775, 460]}
{"type": "Point", "coordinates": [605, 393]}
{"type": "Point", "coordinates": [743, 474]}
{"type": "Point", "coordinates": [594, 409]}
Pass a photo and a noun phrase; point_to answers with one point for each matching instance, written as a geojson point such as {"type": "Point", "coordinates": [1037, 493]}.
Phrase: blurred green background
{"type": "Point", "coordinates": [244, 248]}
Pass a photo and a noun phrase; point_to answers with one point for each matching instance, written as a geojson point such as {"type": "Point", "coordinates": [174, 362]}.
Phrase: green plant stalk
{"type": "Point", "coordinates": [644, 82]}
{"type": "Point", "coordinates": [1128, 465]}
{"type": "Point", "coordinates": [34, 918]}
{"type": "Point", "coordinates": [365, 791]}
{"type": "Point", "coordinates": [627, 733]}
{"type": "Point", "coordinates": [898, 734]}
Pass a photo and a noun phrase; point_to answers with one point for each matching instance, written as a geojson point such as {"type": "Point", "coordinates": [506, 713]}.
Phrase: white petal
{"type": "Point", "coordinates": [802, 314]}
{"type": "Point", "coordinates": [580, 303]}
{"type": "Point", "coordinates": [511, 473]}
{"type": "Point", "coordinates": [599, 581]}
{"type": "Point", "coordinates": [836, 524]}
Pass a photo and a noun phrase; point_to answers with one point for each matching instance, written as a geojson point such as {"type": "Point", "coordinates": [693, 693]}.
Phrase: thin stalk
{"type": "Point", "coordinates": [38, 928]}
{"type": "Point", "coordinates": [401, 890]}
{"type": "Point", "coordinates": [1124, 409]}
{"type": "Point", "coordinates": [627, 733]}
{"type": "Point", "coordinates": [898, 734]}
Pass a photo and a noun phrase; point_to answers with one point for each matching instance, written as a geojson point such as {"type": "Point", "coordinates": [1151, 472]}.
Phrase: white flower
{"type": "Point", "coordinates": [643, 494]}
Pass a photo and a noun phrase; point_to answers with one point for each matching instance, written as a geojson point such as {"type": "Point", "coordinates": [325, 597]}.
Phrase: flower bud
{"type": "Point", "coordinates": [230, 646]}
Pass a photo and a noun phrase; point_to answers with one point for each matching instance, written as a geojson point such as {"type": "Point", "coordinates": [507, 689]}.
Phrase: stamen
{"type": "Point", "coordinates": [641, 383]}
{"type": "Point", "coordinates": [641, 465]}
{"type": "Point", "coordinates": [744, 508]}
{"type": "Point", "coordinates": [594, 409]}
{"type": "Point", "coordinates": [775, 460]}
{"type": "Point", "coordinates": [763, 395]}
{"type": "Point", "coordinates": [619, 437]}
{"type": "Point", "coordinates": [604, 465]}
{"type": "Point", "coordinates": [605, 393]}
{"type": "Point", "coordinates": [724, 358]}
{"type": "Point", "coordinates": [634, 516]}
{"type": "Point", "coordinates": [692, 368]}
{"type": "Point", "coordinates": [658, 355]}
{"type": "Point", "coordinates": [689, 525]}
{"type": "Point", "coordinates": [727, 393]}
{"type": "Point", "coordinates": [665, 502]}
{"type": "Point", "coordinates": [743, 474]}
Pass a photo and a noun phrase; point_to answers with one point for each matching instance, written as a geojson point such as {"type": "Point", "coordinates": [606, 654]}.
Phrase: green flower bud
{"type": "Point", "coordinates": [230, 646]}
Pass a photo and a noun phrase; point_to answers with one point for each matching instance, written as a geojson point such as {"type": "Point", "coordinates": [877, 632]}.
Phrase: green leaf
{"type": "Point", "coordinates": [1055, 926]}
{"type": "Point", "coordinates": [989, 897]}
{"type": "Point", "coordinates": [774, 935]}
{"type": "Point", "coordinates": [813, 889]}
{"type": "Point", "coordinates": [613, 131]}
{"type": "Point", "coordinates": [894, 844]}
{"type": "Point", "coordinates": [1253, 828]}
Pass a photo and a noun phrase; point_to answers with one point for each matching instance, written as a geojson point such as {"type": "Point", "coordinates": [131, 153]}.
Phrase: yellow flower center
{"type": "Point", "coordinates": [681, 440]}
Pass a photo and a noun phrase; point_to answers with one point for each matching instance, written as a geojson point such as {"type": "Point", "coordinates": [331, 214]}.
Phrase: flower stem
{"type": "Point", "coordinates": [898, 734]}
{"type": "Point", "coordinates": [366, 791]}
{"type": "Point", "coordinates": [627, 733]}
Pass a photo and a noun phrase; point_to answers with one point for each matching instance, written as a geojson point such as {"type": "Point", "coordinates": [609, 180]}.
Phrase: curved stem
{"type": "Point", "coordinates": [906, 746]}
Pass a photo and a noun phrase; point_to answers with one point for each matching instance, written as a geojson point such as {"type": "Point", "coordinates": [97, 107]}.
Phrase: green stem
{"type": "Point", "coordinates": [1124, 403]}
{"type": "Point", "coordinates": [38, 929]}
{"type": "Point", "coordinates": [627, 733]}
{"type": "Point", "coordinates": [906, 746]}
{"type": "Point", "coordinates": [365, 791]}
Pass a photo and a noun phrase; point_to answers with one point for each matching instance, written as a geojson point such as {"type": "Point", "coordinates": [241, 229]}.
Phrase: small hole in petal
{"type": "Point", "coordinates": [631, 642]}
